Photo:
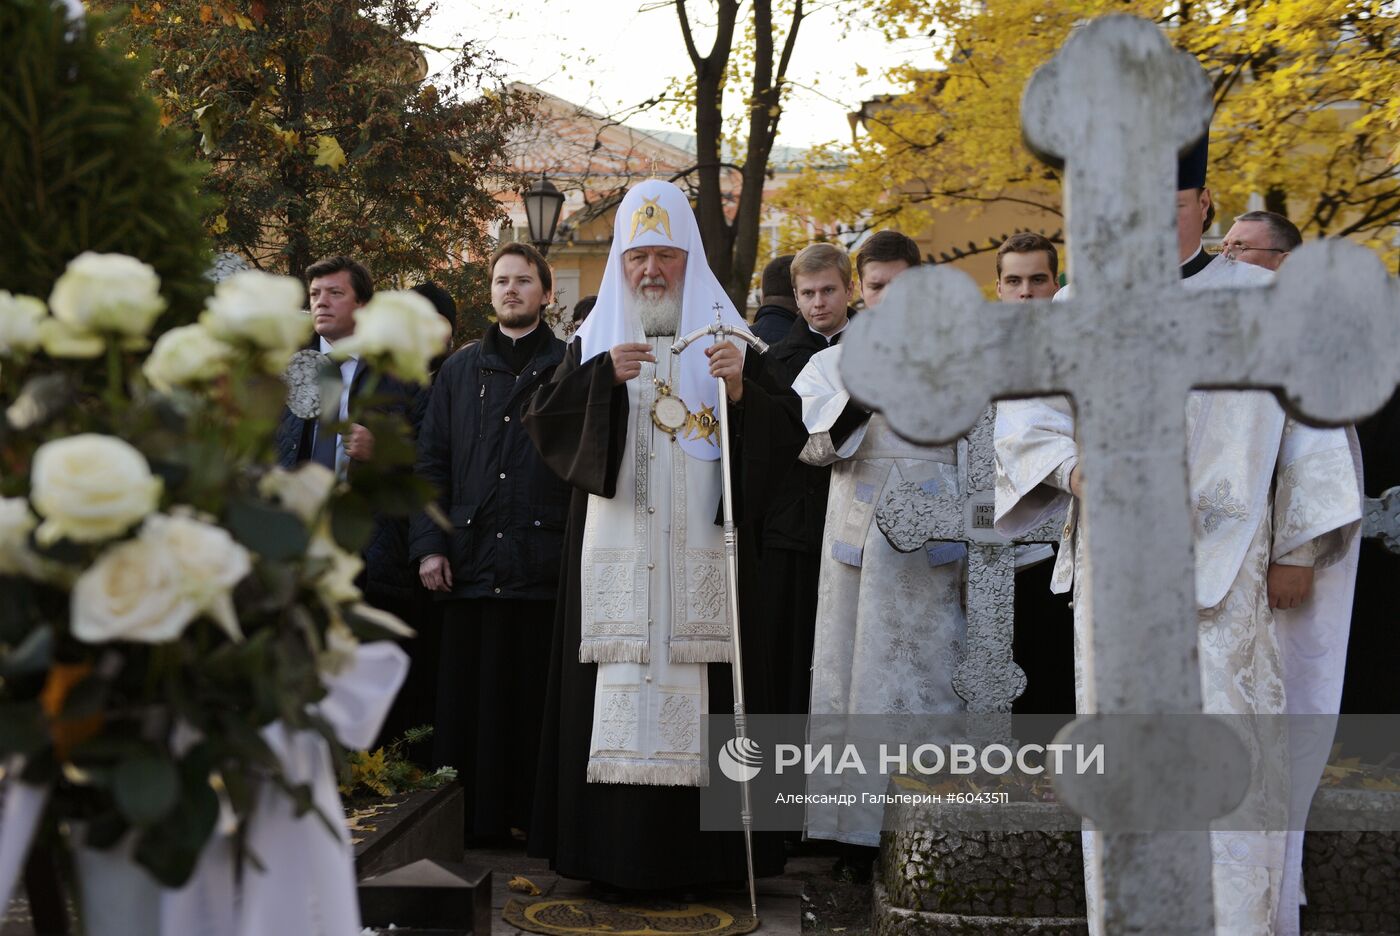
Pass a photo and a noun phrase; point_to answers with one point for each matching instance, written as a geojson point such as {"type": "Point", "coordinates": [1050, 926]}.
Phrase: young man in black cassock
{"type": "Point", "coordinates": [643, 628]}
{"type": "Point", "coordinates": [785, 593]}
{"type": "Point", "coordinates": [496, 570]}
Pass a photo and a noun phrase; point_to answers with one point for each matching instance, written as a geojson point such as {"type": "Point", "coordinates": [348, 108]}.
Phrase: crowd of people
{"type": "Point", "coordinates": [570, 591]}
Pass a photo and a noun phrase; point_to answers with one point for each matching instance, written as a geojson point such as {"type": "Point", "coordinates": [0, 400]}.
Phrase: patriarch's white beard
{"type": "Point", "coordinates": [658, 316]}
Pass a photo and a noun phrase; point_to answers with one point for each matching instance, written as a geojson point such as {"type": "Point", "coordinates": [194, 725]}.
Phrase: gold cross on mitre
{"type": "Point", "coordinates": [650, 217]}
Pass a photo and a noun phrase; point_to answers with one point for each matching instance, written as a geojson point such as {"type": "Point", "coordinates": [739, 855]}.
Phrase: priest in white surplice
{"type": "Point", "coordinates": [890, 626]}
{"type": "Point", "coordinates": [1276, 510]}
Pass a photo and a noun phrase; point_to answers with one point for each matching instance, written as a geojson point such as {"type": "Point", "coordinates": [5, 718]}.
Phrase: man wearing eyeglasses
{"type": "Point", "coordinates": [1262, 238]}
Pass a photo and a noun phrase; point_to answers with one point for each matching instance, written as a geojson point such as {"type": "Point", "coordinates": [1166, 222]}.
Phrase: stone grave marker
{"type": "Point", "coordinates": [1381, 519]}
{"type": "Point", "coordinates": [988, 678]}
{"type": "Point", "coordinates": [1116, 105]}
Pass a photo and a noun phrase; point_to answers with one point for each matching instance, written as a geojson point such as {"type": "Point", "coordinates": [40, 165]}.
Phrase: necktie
{"type": "Point", "coordinates": [323, 451]}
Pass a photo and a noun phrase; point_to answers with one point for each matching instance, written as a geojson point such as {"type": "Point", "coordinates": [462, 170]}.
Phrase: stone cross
{"type": "Point", "coordinates": [1381, 519]}
{"type": "Point", "coordinates": [1117, 104]}
{"type": "Point", "coordinates": [988, 678]}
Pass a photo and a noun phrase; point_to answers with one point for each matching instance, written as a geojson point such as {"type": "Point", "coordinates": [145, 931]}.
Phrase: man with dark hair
{"type": "Point", "coordinates": [1027, 267]}
{"type": "Point", "coordinates": [582, 308]}
{"type": "Point", "coordinates": [1043, 639]}
{"type": "Point", "coordinates": [497, 568]}
{"type": "Point", "coordinates": [883, 256]}
{"type": "Point", "coordinates": [338, 288]}
{"type": "Point", "coordinates": [777, 310]}
{"type": "Point", "coordinates": [1262, 238]}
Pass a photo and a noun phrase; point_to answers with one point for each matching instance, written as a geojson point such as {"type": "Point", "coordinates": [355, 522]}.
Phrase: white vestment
{"type": "Point", "coordinates": [1264, 489]}
{"type": "Point", "coordinates": [651, 634]}
{"type": "Point", "coordinates": [890, 626]}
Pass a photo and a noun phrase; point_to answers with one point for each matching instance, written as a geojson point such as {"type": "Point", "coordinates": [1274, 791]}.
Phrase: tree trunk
{"type": "Point", "coordinates": [715, 232]}
{"type": "Point", "coordinates": [293, 167]}
{"type": "Point", "coordinates": [764, 111]}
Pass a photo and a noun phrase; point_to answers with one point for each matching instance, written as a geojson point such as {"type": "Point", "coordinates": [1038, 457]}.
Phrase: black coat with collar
{"type": "Point", "coordinates": [506, 507]}
{"type": "Point", "coordinates": [796, 517]}
{"type": "Point", "coordinates": [774, 318]}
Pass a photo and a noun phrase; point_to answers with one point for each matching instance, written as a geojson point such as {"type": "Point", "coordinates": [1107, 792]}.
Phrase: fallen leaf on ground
{"type": "Point", "coordinates": [523, 885]}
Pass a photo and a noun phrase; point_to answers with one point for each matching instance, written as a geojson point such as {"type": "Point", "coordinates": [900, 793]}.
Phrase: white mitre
{"type": "Point", "coordinates": [657, 214]}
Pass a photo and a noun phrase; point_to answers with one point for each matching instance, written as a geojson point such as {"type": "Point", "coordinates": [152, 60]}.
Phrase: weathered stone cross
{"type": "Point", "coordinates": [1381, 519]}
{"type": "Point", "coordinates": [1117, 104]}
{"type": "Point", "coordinates": [988, 678]}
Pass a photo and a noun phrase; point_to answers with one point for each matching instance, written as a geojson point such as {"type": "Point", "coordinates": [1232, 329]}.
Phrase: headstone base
{"type": "Point", "coordinates": [946, 882]}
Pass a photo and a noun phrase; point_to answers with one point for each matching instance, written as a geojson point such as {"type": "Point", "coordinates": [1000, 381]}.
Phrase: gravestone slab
{"type": "Point", "coordinates": [1116, 105]}
{"type": "Point", "coordinates": [437, 896]}
{"type": "Point", "coordinates": [404, 829]}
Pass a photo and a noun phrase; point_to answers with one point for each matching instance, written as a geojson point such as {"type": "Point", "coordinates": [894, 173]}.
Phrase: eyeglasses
{"type": "Point", "coordinates": [1232, 252]}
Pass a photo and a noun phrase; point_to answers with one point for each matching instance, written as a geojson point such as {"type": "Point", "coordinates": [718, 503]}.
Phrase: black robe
{"type": "Point", "coordinates": [631, 835]}
{"type": "Point", "coordinates": [789, 566]}
{"type": "Point", "coordinates": [1370, 685]}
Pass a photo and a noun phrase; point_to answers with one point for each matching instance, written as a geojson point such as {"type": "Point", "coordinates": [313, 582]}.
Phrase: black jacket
{"type": "Point", "coordinates": [507, 509]}
{"type": "Point", "coordinates": [796, 517]}
{"type": "Point", "coordinates": [294, 434]}
{"type": "Point", "coordinates": [389, 577]}
{"type": "Point", "coordinates": [772, 321]}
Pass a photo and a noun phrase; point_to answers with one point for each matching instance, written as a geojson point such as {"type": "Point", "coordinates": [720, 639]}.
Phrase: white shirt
{"type": "Point", "coordinates": [347, 377]}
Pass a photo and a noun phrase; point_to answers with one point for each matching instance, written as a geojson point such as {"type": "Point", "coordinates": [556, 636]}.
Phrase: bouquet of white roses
{"type": "Point", "coordinates": [165, 593]}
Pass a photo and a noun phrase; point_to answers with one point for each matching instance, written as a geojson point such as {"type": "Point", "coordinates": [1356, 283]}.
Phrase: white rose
{"type": "Point", "coordinates": [401, 331]}
{"type": "Point", "coordinates": [132, 592]}
{"type": "Point", "coordinates": [209, 563]}
{"type": "Point", "coordinates": [184, 357]}
{"type": "Point", "coordinates": [107, 293]}
{"type": "Point", "coordinates": [259, 308]}
{"type": "Point", "coordinates": [90, 487]}
{"type": "Point", "coordinates": [303, 491]}
{"type": "Point", "coordinates": [19, 323]}
{"type": "Point", "coordinates": [61, 340]}
{"type": "Point", "coordinates": [336, 584]}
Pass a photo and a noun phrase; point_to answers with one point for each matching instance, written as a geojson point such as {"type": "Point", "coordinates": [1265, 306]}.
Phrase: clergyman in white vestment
{"type": "Point", "coordinates": [1266, 493]}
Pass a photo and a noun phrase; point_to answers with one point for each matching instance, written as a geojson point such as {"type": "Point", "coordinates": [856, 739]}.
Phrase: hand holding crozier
{"type": "Point", "coordinates": [728, 362]}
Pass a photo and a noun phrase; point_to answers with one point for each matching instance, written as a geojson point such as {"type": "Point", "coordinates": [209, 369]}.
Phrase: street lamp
{"type": "Point", "coordinates": [543, 203]}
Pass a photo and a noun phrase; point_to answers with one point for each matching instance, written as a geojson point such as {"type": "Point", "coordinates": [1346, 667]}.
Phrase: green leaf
{"type": "Point", "coordinates": [352, 521]}
{"type": "Point", "coordinates": [271, 533]}
{"type": "Point", "coordinates": [171, 849]}
{"type": "Point", "coordinates": [146, 788]}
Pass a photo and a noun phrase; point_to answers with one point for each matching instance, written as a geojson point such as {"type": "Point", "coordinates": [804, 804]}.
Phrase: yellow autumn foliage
{"type": "Point", "coordinates": [1307, 113]}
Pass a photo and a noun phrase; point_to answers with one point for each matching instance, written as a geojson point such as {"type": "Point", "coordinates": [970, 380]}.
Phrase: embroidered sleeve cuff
{"type": "Point", "coordinates": [1304, 555]}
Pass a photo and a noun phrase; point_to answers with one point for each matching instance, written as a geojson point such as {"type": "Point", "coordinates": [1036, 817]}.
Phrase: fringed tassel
{"type": "Point", "coordinates": [701, 651]}
{"type": "Point", "coordinates": [648, 773]}
{"type": "Point", "coordinates": [614, 650]}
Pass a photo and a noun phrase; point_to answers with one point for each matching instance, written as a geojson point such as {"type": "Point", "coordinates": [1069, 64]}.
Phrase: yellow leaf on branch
{"type": "Point", "coordinates": [329, 153]}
